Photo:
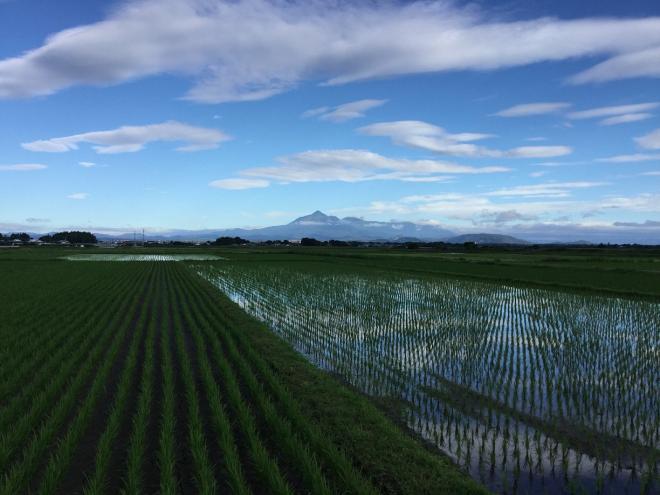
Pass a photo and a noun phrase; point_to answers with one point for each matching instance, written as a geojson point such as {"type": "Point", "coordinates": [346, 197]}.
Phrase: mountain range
{"type": "Point", "coordinates": [324, 227]}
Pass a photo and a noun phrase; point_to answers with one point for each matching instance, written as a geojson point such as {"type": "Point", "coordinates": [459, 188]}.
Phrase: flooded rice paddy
{"type": "Point", "coordinates": [143, 257]}
{"type": "Point", "coordinates": [530, 391]}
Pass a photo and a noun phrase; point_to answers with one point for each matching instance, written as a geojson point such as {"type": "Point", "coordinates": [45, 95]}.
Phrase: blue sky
{"type": "Point", "coordinates": [513, 117]}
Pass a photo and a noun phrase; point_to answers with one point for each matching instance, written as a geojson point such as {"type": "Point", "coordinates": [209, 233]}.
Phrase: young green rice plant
{"type": "Point", "coordinates": [100, 359]}
{"type": "Point", "coordinates": [95, 485]}
{"type": "Point", "coordinates": [551, 358]}
{"type": "Point", "coordinates": [21, 409]}
{"type": "Point", "coordinates": [204, 476]}
{"type": "Point", "coordinates": [141, 418]}
{"type": "Point", "coordinates": [289, 443]}
{"type": "Point", "coordinates": [267, 469]}
{"type": "Point", "coordinates": [32, 358]}
{"type": "Point", "coordinates": [61, 457]}
{"type": "Point", "coordinates": [166, 447]}
{"type": "Point", "coordinates": [347, 478]}
{"type": "Point", "coordinates": [220, 420]}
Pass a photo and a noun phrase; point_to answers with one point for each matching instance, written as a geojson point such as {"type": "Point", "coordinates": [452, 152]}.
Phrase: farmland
{"type": "Point", "coordinates": [140, 377]}
{"type": "Point", "coordinates": [325, 371]}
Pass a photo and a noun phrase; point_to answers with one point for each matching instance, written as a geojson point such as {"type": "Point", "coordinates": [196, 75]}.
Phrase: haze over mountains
{"type": "Point", "coordinates": [324, 227]}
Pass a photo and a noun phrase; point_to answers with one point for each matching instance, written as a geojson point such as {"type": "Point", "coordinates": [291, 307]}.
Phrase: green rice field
{"type": "Point", "coordinates": [324, 371]}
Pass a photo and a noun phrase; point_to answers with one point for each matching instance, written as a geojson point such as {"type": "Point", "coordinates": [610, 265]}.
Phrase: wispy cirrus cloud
{"type": "Point", "coordinates": [625, 118]}
{"type": "Point", "coordinates": [548, 189]}
{"type": "Point", "coordinates": [422, 135]}
{"type": "Point", "coordinates": [541, 217]}
{"type": "Point", "coordinates": [129, 139]}
{"type": "Point", "coordinates": [528, 109]}
{"type": "Point", "coordinates": [615, 115]}
{"type": "Point", "coordinates": [348, 165]}
{"type": "Point", "coordinates": [633, 158]}
{"type": "Point", "coordinates": [342, 113]}
{"type": "Point", "coordinates": [280, 44]}
{"type": "Point", "coordinates": [22, 167]}
{"type": "Point", "coordinates": [650, 141]}
{"type": "Point", "coordinates": [619, 114]}
{"type": "Point", "coordinates": [638, 63]}
{"type": "Point", "coordinates": [239, 183]}
{"type": "Point", "coordinates": [78, 196]}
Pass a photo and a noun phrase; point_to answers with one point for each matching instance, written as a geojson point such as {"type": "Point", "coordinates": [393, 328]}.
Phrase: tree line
{"type": "Point", "coordinates": [15, 236]}
{"type": "Point", "coordinates": [73, 237]}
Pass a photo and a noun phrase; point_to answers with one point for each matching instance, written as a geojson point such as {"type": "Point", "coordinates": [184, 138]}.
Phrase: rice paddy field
{"type": "Point", "coordinates": [328, 371]}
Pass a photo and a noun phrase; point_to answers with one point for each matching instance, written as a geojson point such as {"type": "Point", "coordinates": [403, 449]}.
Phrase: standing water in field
{"type": "Point", "coordinates": [143, 257]}
{"type": "Point", "coordinates": [530, 391]}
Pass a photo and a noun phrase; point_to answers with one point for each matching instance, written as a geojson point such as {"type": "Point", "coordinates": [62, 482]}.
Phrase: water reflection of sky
{"type": "Point", "coordinates": [569, 355]}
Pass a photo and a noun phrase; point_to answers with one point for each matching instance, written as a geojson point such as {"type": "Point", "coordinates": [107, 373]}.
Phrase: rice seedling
{"type": "Point", "coordinates": [579, 368]}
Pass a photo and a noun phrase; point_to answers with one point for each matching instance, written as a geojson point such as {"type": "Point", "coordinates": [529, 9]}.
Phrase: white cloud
{"type": "Point", "coordinates": [640, 63]}
{"type": "Point", "coordinates": [78, 196]}
{"type": "Point", "coordinates": [238, 184]}
{"type": "Point", "coordinates": [548, 189]}
{"type": "Point", "coordinates": [534, 152]}
{"type": "Point", "coordinates": [22, 167]}
{"type": "Point", "coordinates": [350, 166]}
{"type": "Point", "coordinates": [646, 224]}
{"type": "Point", "coordinates": [127, 139]}
{"type": "Point", "coordinates": [527, 109]}
{"type": "Point", "coordinates": [506, 216]}
{"type": "Point", "coordinates": [625, 118]}
{"type": "Point", "coordinates": [314, 112]}
{"type": "Point", "coordinates": [488, 209]}
{"type": "Point", "coordinates": [613, 110]}
{"type": "Point", "coordinates": [650, 141]}
{"type": "Point", "coordinates": [653, 173]}
{"type": "Point", "coordinates": [422, 135]}
{"type": "Point", "coordinates": [87, 164]}
{"type": "Point", "coordinates": [636, 157]}
{"type": "Point", "coordinates": [253, 49]}
{"type": "Point", "coordinates": [342, 113]}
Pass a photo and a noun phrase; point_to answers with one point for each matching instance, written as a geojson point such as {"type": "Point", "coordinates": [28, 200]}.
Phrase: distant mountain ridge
{"type": "Point", "coordinates": [485, 239]}
{"type": "Point", "coordinates": [324, 227]}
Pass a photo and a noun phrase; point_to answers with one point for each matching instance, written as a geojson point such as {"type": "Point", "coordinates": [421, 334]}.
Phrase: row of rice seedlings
{"type": "Point", "coordinates": [513, 345]}
{"type": "Point", "coordinates": [30, 354]}
{"type": "Point", "coordinates": [14, 437]}
{"type": "Point", "coordinates": [32, 288]}
{"type": "Point", "coordinates": [203, 469]}
{"type": "Point", "coordinates": [135, 459]}
{"type": "Point", "coordinates": [166, 439]}
{"type": "Point", "coordinates": [222, 427]}
{"type": "Point", "coordinates": [507, 376]}
{"type": "Point", "coordinates": [21, 419]}
{"type": "Point", "coordinates": [57, 365]}
{"type": "Point", "coordinates": [99, 360]}
{"type": "Point", "coordinates": [61, 457]}
{"type": "Point", "coordinates": [287, 441]}
{"type": "Point", "coordinates": [220, 421]}
{"type": "Point", "coordinates": [346, 478]}
{"type": "Point", "coordinates": [95, 485]}
{"type": "Point", "coordinates": [267, 469]}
